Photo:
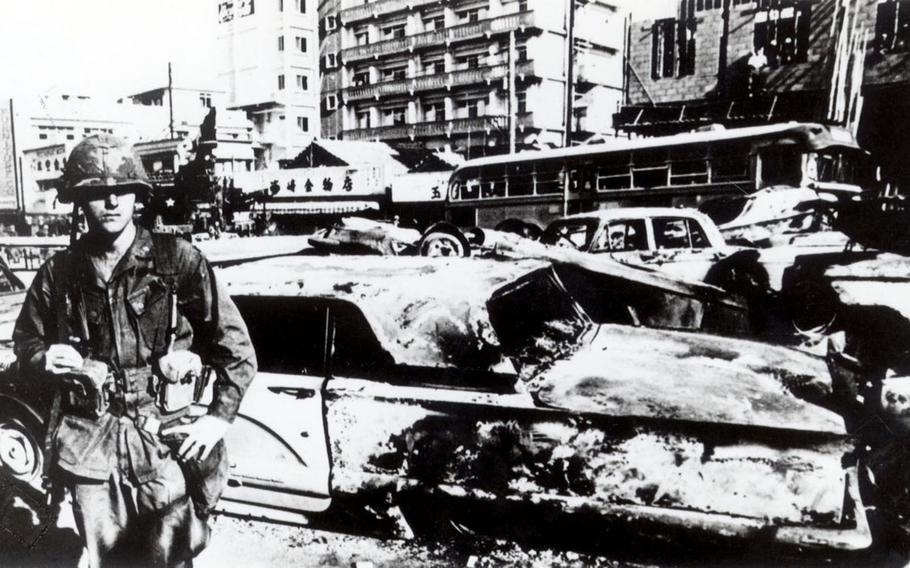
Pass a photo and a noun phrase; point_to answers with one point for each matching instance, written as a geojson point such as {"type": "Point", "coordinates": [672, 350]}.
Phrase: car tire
{"type": "Point", "coordinates": [443, 243]}
{"type": "Point", "coordinates": [21, 450]}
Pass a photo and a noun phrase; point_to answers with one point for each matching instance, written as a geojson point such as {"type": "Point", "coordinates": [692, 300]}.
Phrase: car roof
{"type": "Point", "coordinates": [426, 312]}
{"type": "Point", "coordinates": [637, 213]}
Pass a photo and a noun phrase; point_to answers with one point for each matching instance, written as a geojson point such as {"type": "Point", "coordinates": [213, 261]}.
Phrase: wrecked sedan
{"type": "Point", "coordinates": [483, 387]}
{"type": "Point", "coordinates": [500, 393]}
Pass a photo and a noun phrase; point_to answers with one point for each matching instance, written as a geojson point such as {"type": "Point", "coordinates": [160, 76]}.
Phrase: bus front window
{"type": "Point", "coordinates": [781, 165]}
{"type": "Point", "coordinates": [841, 165]}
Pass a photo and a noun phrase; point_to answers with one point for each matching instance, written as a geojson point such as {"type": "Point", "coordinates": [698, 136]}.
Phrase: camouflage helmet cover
{"type": "Point", "coordinates": [102, 162]}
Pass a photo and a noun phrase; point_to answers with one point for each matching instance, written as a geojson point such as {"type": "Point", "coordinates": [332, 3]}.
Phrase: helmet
{"type": "Point", "coordinates": [101, 162]}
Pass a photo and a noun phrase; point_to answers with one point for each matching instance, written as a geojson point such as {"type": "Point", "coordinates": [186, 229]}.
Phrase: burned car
{"type": "Point", "coordinates": [484, 386]}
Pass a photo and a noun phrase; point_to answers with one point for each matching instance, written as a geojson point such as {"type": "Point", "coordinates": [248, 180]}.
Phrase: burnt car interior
{"type": "Point", "coordinates": [333, 338]}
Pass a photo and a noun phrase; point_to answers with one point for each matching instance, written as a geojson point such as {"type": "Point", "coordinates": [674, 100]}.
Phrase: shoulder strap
{"type": "Point", "coordinates": [164, 253]}
{"type": "Point", "coordinates": [63, 306]}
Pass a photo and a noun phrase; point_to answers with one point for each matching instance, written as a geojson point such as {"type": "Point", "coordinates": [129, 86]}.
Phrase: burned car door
{"type": "Point", "coordinates": [277, 445]}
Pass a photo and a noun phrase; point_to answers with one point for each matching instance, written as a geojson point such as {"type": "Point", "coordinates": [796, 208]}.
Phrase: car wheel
{"type": "Point", "coordinates": [21, 454]}
{"type": "Point", "coordinates": [442, 244]}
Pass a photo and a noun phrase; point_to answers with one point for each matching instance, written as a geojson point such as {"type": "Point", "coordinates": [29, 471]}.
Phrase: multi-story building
{"type": "Point", "coordinates": [742, 62]}
{"type": "Point", "coordinates": [467, 74]}
{"type": "Point", "coordinates": [269, 67]}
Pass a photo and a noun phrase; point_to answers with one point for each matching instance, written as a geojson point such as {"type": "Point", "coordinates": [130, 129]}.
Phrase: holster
{"type": "Point", "coordinates": [205, 479]}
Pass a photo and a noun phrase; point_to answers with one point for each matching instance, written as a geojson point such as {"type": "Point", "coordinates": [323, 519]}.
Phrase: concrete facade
{"type": "Point", "coordinates": [269, 68]}
{"type": "Point", "coordinates": [434, 73]}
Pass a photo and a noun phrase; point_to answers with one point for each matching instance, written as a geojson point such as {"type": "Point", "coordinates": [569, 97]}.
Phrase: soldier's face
{"type": "Point", "coordinates": [111, 212]}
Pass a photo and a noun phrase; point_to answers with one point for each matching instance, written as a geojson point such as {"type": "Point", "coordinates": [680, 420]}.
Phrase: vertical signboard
{"type": "Point", "coordinates": [8, 182]}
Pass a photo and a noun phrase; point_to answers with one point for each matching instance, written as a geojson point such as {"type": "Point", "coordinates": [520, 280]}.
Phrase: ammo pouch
{"type": "Point", "coordinates": [173, 396]}
{"type": "Point", "coordinates": [205, 479]}
{"type": "Point", "coordinates": [88, 391]}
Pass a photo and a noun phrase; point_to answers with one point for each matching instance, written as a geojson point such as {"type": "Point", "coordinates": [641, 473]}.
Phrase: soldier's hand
{"type": "Point", "coordinates": [201, 436]}
{"type": "Point", "coordinates": [61, 359]}
{"type": "Point", "coordinates": [178, 364]}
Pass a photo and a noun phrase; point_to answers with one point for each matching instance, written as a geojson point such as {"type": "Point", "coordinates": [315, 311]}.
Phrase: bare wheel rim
{"type": "Point", "coordinates": [18, 451]}
{"type": "Point", "coordinates": [442, 245]}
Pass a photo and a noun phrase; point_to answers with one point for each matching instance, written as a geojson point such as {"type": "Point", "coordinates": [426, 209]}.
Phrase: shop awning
{"type": "Point", "coordinates": [318, 207]}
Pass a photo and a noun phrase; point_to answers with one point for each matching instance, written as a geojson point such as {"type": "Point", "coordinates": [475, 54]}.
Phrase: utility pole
{"type": "Point", "coordinates": [570, 70]}
{"type": "Point", "coordinates": [170, 98]}
{"type": "Point", "coordinates": [570, 97]}
{"type": "Point", "coordinates": [722, 60]}
{"type": "Point", "coordinates": [513, 100]}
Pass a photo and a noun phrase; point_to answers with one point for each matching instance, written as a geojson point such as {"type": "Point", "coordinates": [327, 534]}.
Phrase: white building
{"type": "Point", "coordinates": [270, 68]}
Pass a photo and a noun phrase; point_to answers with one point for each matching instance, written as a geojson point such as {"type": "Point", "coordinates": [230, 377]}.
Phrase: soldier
{"type": "Point", "coordinates": [109, 323]}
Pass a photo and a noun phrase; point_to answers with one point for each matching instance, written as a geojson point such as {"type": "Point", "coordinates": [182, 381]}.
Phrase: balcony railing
{"type": "Point", "coordinates": [436, 81]}
{"type": "Point", "coordinates": [381, 8]}
{"type": "Point", "coordinates": [426, 129]}
{"type": "Point", "coordinates": [444, 36]}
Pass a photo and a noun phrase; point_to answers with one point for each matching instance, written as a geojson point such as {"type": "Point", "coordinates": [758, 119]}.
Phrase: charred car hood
{"type": "Point", "coordinates": [625, 371]}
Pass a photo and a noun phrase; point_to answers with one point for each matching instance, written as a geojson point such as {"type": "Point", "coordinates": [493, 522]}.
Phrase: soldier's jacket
{"type": "Point", "coordinates": [127, 321]}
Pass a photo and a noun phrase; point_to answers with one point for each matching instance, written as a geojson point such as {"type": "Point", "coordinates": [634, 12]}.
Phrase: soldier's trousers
{"type": "Point", "coordinates": [148, 524]}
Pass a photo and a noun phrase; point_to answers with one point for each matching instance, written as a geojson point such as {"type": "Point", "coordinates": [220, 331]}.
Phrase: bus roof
{"type": "Point", "coordinates": [814, 136]}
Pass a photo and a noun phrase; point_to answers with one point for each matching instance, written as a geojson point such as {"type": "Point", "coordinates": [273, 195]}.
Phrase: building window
{"type": "Point", "coordinates": [892, 26]}
{"type": "Point", "coordinates": [434, 23]}
{"type": "Point", "coordinates": [280, 82]}
{"type": "Point", "coordinates": [361, 78]}
{"type": "Point", "coordinates": [331, 60]}
{"type": "Point", "coordinates": [467, 62]}
{"type": "Point", "coordinates": [470, 108]}
{"type": "Point", "coordinates": [300, 43]}
{"type": "Point", "coordinates": [280, 43]}
{"type": "Point", "coordinates": [363, 119]}
{"type": "Point", "coordinates": [782, 31]}
{"type": "Point", "coordinates": [435, 111]}
{"type": "Point", "coordinates": [522, 5]}
{"type": "Point", "coordinates": [688, 26]}
{"type": "Point", "coordinates": [302, 83]}
{"type": "Point", "coordinates": [395, 116]}
{"type": "Point", "coordinates": [521, 54]}
{"type": "Point", "coordinates": [301, 6]}
{"type": "Point", "coordinates": [393, 32]}
{"type": "Point", "coordinates": [331, 102]}
{"type": "Point", "coordinates": [303, 123]}
{"type": "Point", "coordinates": [468, 16]}
{"type": "Point", "coordinates": [205, 99]}
{"type": "Point", "coordinates": [663, 51]}
{"type": "Point", "coordinates": [331, 22]}
{"type": "Point", "coordinates": [521, 102]}
{"type": "Point", "coordinates": [394, 74]}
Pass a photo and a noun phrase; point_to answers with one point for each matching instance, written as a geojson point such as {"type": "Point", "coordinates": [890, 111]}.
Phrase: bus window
{"type": "Point", "coordinates": [548, 181]}
{"type": "Point", "coordinates": [673, 233]}
{"type": "Point", "coordinates": [613, 176]}
{"type": "Point", "coordinates": [571, 233]}
{"type": "Point", "coordinates": [842, 166]}
{"type": "Point", "coordinates": [493, 182]}
{"type": "Point", "coordinates": [650, 168]}
{"type": "Point", "coordinates": [781, 165]}
{"type": "Point", "coordinates": [521, 179]}
{"type": "Point", "coordinates": [622, 235]}
{"type": "Point", "coordinates": [470, 189]}
{"type": "Point", "coordinates": [689, 166]}
{"type": "Point", "coordinates": [730, 163]}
